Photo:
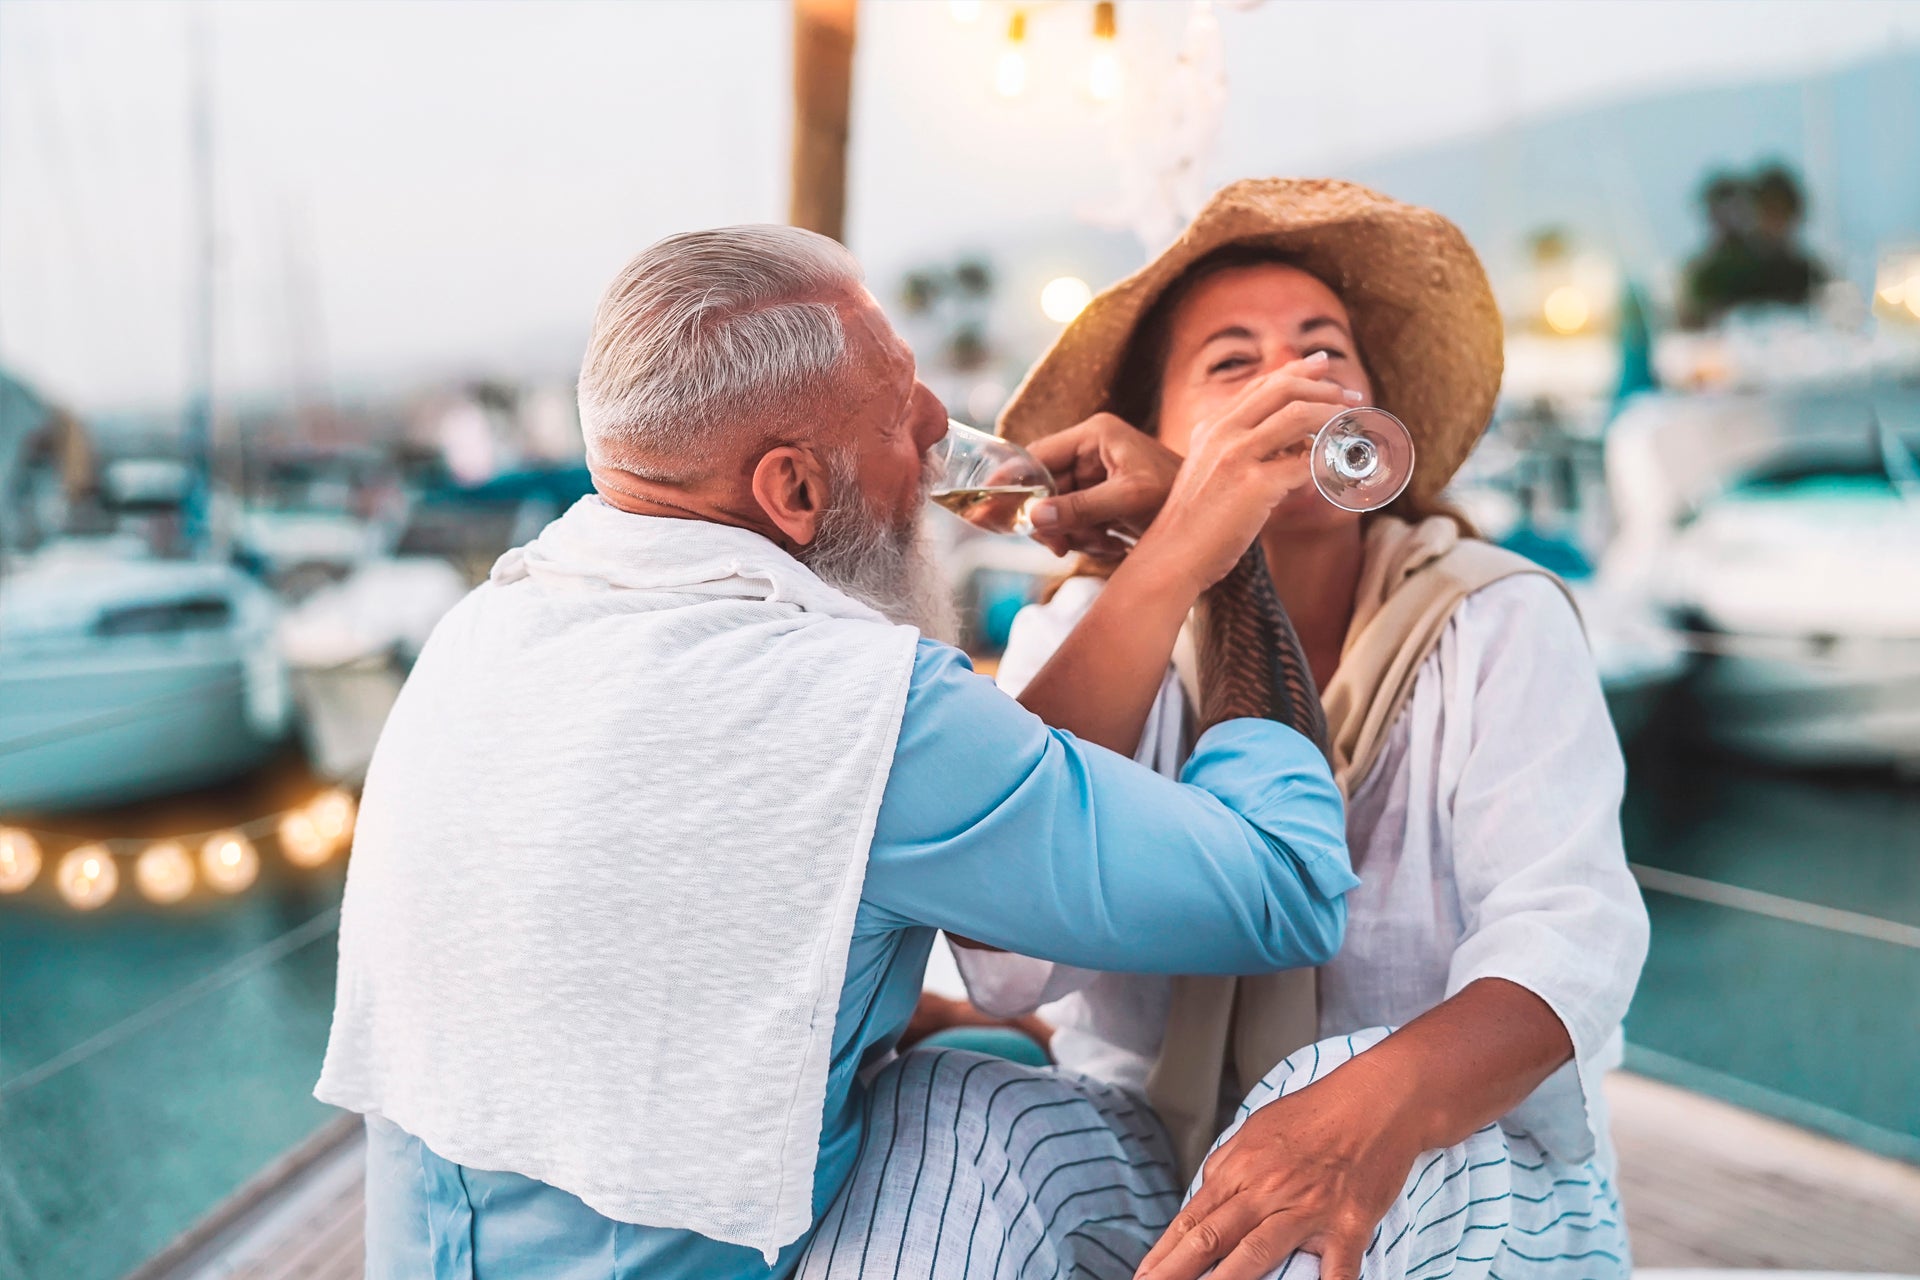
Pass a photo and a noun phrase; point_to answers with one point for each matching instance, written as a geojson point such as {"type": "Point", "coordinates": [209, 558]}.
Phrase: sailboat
{"type": "Point", "coordinates": [128, 670]}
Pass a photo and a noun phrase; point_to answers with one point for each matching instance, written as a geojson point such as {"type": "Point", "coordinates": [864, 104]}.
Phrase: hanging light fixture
{"type": "Point", "coordinates": [1103, 73]}
{"type": "Point", "coordinates": [19, 859]}
{"type": "Point", "coordinates": [1010, 78]}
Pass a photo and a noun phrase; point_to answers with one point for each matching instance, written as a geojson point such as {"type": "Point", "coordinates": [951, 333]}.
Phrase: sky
{"type": "Point", "coordinates": [415, 191]}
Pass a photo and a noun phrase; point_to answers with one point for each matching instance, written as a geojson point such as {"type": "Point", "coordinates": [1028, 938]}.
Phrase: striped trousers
{"type": "Point", "coordinates": [977, 1169]}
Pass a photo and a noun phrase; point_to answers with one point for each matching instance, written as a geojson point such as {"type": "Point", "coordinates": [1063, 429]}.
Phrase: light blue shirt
{"type": "Point", "coordinates": [993, 827]}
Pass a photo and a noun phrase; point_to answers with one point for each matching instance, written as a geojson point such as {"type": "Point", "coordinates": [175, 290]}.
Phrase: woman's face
{"type": "Point", "coordinates": [1236, 325]}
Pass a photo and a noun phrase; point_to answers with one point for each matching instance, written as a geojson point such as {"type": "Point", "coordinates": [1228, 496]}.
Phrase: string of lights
{"type": "Point", "coordinates": [226, 860]}
{"type": "Point", "coordinates": [1104, 78]}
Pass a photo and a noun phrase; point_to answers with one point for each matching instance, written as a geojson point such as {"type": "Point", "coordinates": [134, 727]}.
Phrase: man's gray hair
{"type": "Point", "coordinates": [709, 331]}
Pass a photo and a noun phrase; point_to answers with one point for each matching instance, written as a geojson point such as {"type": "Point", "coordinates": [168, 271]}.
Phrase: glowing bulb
{"type": "Point", "coordinates": [87, 877]}
{"type": "Point", "coordinates": [1011, 76]}
{"type": "Point", "coordinates": [302, 839]}
{"type": "Point", "coordinates": [332, 813]}
{"type": "Point", "coordinates": [19, 859]}
{"type": "Point", "coordinates": [1567, 310]}
{"type": "Point", "coordinates": [1103, 75]}
{"type": "Point", "coordinates": [164, 872]}
{"type": "Point", "coordinates": [1064, 298]}
{"type": "Point", "coordinates": [964, 10]}
{"type": "Point", "coordinates": [228, 862]}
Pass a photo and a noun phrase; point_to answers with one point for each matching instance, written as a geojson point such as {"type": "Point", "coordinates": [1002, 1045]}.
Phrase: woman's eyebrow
{"type": "Point", "coordinates": [1231, 331]}
{"type": "Point", "coordinates": [1323, 322]}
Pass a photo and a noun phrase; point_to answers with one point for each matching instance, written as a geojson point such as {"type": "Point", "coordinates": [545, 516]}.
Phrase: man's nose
{"type": "Point", "coordinates": [933, 422]}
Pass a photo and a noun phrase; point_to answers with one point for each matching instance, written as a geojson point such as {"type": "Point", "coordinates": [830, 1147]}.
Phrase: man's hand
{"type": "Point", "coordinates": [1316, 1170]}
{"type": "Point", "coordinates": [1110, 476]}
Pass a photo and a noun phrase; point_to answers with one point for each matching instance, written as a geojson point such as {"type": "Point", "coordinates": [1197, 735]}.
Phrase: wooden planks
{"type": "Point", "coordinates": [1706, 1184]}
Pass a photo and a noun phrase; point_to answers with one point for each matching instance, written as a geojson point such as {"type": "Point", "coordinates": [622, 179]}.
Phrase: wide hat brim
{"type": "Point", "coordinates": [1423, 313]}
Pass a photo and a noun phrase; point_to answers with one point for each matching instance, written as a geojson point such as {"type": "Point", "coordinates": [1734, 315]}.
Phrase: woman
{"type": "Point", "coordinates": [1496, 925]}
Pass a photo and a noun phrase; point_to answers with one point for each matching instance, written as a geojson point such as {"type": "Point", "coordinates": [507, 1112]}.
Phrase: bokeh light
{"type": "Point", "coordinates": [1567, 310]}
{"type": "Point", "coordinates": [164, 872]}
{"type": "Point", "coordinates": [302, 840]}
{"type": "Point", "coordinates": [1064, 297]}
{"type": "Point", "coordinates": [87, 876]}
{"type": "Point", "coordinates": [228, 862]}
{"type": "Point", "coordinates": [19, 859]}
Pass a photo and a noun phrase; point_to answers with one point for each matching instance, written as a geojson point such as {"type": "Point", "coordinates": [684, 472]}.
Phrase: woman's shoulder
{"type": "Point", "coordinates": [1522, 635]}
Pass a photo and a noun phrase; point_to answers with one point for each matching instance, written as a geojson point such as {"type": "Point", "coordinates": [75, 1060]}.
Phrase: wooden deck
{"type": "Point", "coordinates": [1707, 1186]}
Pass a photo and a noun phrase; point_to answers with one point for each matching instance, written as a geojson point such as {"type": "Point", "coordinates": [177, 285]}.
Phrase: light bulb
{"type": "Point", "coordinates": [332, 812]}
{"type": "Point", "coordinates": [1567, 310]}
{"type": "Point", "coordinates": [164, 872]}
{"type": "Point", "coordinates": [87, 876]}
{"type": "Point", "coordinates": [302, 840]}
{"type": "Point", "coordinates": [1064, 297]}
{"type": "Point", "coordinates": [19, 859]}
{"type": "Point", "coordinates": [1010, 78]}
{"type": "Point", "coordinates": [228, 861]}
{"type": "Point", "coordinates": [1103, 74]}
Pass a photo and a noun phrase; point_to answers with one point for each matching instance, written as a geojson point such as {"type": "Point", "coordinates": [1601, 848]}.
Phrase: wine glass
{"type": "Point", "coordinates": [1362, 459]}
{"type": "Point", "coordinates": [990, 483]}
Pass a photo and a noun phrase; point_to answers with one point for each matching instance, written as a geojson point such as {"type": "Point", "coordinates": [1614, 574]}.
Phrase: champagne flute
{"type": "Point", "coordinates": [1362, 459]}
{"type": "Point", "coordinates": [990, 483]}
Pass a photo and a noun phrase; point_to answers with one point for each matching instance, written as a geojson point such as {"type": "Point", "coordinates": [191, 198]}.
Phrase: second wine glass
{"type": "Point", "coordinates": [989, 482]}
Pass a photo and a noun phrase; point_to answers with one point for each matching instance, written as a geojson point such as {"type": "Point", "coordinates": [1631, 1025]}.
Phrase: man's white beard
{"type": "Point", "coordinates": [887, 566]}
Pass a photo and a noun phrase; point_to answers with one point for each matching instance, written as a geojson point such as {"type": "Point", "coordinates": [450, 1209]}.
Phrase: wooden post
{"type": "Point", "coordinates": [823, 32]}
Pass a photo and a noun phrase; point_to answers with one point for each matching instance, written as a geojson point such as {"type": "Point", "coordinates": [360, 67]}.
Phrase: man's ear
{"type": "Point", "coordinates": [790, 484]}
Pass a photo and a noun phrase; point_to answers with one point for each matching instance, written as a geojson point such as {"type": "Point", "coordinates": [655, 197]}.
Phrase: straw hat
{"type": "Point", "coordinates": [1423, 313]}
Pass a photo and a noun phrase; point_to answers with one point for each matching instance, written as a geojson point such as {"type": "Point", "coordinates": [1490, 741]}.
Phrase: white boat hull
{"type": "Point", "coordinates": [1798, 714]}
{"type": "Point", "coordinates": [112, 727]}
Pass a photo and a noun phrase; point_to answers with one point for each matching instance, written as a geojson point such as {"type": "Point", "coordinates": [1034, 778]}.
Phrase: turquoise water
{"type": "Point", "coordinates": [1796, 1014]}
{"type": "Point", "coordinates": [105, 1161]}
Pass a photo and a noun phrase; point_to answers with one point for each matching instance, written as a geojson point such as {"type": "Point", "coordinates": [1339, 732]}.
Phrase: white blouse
{"type": "Point", "coordinates": [1487, 841]}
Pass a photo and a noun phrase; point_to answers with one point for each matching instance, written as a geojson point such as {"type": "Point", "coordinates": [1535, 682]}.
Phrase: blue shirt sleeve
{"type": "Point", "coordinates": [995, 827]}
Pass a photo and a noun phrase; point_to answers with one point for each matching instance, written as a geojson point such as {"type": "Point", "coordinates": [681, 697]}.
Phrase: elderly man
{"type": "Point", "coordinates": [657, 837]}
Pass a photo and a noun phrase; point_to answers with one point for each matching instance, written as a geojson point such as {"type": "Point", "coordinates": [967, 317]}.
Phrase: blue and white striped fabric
{"type": "Point", "coordinates": [975, 1168]}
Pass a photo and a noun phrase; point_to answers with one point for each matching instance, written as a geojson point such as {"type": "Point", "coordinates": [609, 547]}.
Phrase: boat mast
{"type": "Point", "coordinates": [198, 426]}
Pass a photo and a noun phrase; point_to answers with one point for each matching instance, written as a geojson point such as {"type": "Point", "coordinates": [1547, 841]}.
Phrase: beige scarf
{"type": "Point", "coordinates": [1412, 578]}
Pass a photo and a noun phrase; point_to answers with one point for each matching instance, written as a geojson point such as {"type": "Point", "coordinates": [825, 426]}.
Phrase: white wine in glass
{"type": "Point", "coordinates": [990, 483]}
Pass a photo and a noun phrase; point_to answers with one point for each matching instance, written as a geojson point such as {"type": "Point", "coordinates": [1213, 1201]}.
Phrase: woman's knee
{"type": "Point", "coordinates": [1305, 1065]}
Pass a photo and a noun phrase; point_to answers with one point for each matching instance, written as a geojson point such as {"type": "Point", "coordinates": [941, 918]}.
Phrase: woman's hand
{"type": "Point", "coordinates": [1315, 1170]}
{"type": "Point", "coordinates": [1111, 476]}
{"type": "Point", "coordinates": [1115, 477]}
{"type": "Point", "coordinates": [1241, 465]}
{"type": "Point", "coordinates": [1318, 1169]}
